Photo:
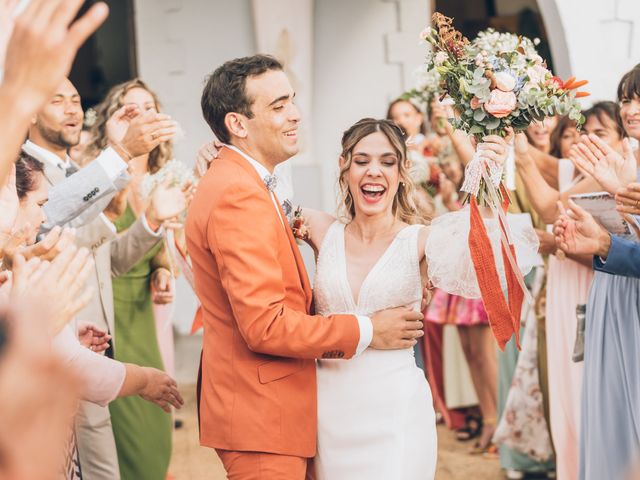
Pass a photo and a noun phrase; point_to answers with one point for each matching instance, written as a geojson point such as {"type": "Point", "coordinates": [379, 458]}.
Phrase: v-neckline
{"type": "Point", "coordinates": [355, 302]}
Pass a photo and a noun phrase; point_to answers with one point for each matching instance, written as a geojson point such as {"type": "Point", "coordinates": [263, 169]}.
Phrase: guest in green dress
{"type": "Point", "coordinates": [142, 431]}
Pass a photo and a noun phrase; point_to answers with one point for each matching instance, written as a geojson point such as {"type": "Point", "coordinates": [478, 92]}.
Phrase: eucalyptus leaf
{"type": "Point", "coordinates": [479, 115]}
{"type": "Point", "coordinates": [493, 123]}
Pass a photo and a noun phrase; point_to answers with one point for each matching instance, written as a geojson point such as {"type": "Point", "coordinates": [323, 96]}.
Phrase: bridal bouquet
{"type": "Point", "coordinates": [498, 84]}
{"type": "Point", "coordinates": [498, 81]}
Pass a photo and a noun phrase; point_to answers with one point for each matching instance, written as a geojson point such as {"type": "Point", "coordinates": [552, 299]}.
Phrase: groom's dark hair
{"type": "Point", "coordinates": [226, 90]}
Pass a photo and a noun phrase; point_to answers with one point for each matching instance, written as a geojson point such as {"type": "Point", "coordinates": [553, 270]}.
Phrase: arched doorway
{"type": "Point", "coordinates": [531, 18]}
{"type": "Point", "coordinates": [109, 55]}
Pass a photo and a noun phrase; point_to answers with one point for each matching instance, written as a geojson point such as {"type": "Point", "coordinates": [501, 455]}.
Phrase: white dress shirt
{"type": "Point", "coordinates": [109, 160]}
{"type": "Point", "coordinates": [364, 322]}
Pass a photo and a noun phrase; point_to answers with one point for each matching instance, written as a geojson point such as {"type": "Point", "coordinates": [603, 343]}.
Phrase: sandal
{"type": "Point", "coordinates": [489, 449]}
{"type": "Point", "coordinates": [472, 428]}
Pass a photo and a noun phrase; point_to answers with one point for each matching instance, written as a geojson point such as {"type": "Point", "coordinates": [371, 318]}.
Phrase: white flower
{"type": "Point", "coordinates": [505, 81]}
{"type": "Point", "coordinates": [537, 74]}
{"type": "Point", "coordinates": [177, 170]}
{"type": "Point", "coordinates": [440, 58]}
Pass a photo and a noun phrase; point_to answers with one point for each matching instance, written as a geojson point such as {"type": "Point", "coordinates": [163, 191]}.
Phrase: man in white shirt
{"type": "Point", "coordinates": [54, 130]}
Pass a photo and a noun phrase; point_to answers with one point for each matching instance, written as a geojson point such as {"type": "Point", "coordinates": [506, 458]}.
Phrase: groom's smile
{"type": "Point", "coordinates": [273, 130]}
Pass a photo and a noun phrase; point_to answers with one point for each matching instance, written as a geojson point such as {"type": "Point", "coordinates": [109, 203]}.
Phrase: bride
{"type": "Point", "coordinates": [375, 412]}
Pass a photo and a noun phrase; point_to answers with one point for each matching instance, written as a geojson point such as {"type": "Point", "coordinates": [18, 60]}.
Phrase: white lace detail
{"type": "Point", "coordinates": [392, 282]}
{"type": "Point", "coordinates": [449, 259]}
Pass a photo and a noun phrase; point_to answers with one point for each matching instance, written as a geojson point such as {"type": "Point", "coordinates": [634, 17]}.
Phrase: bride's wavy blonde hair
{"type": "Point", "coordinates": [98, 139]}
{"type": "Point", "coordinates": [404, 205]}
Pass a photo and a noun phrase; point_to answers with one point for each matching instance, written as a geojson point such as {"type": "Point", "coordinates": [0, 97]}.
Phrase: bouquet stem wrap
{"type": "Point", "coordinates": [503, 314]}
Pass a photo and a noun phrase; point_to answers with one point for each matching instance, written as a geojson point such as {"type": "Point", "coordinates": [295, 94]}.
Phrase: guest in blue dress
{"type": "Point", "coordinates": [610, 427]}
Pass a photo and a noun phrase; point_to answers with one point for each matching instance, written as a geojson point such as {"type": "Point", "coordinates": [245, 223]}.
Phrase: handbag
{"type": "Point", "coordinates": [578, 346]}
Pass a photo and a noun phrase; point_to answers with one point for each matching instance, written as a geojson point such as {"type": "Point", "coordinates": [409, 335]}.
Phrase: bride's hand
{"type": "Point", "coordinates": [427, 296]}
{"type": "Point", "coordinates": [494, 148]}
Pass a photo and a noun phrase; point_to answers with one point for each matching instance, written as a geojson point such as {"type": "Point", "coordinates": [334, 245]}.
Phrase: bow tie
{"type": "Point", "coordinates": [271, 181]}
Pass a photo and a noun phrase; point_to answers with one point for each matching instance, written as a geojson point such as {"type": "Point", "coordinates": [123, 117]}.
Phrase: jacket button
{"type": "Point", "coordinates": [85, 198]}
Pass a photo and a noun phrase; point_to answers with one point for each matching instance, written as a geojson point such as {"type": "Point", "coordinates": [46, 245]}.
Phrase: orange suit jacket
{"type": "Point", "coordinates": [257, 371]}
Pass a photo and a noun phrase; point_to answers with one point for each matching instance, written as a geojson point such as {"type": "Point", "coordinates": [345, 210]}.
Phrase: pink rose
{"type": "Point", "coordinates": [500, 104]}
{"type": "Point", "coordinates": [475, 103]}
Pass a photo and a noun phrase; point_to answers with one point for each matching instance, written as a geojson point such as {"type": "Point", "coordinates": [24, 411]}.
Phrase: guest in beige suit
{"type": "Point", "coordinates": [54, 130]}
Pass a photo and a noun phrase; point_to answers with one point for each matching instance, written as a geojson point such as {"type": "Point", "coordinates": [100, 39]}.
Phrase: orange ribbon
{"type": "Point", "coordinates": [504, 318]}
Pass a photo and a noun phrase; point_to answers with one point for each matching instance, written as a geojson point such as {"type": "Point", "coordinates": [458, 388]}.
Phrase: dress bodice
{"type": "Point", "coordinates": [393, 281]}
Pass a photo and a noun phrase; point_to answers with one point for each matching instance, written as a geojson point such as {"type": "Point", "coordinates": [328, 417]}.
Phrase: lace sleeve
{"type": "Point", "coordinates": [449, 261]}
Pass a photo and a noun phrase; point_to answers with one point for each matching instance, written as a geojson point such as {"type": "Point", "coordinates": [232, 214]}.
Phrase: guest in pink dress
{"type": "Point", "coordinates": [471, 319]}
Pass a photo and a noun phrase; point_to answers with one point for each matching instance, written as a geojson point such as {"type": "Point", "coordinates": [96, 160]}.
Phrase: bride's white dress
{"type": "Point", "coordinates": [375, 412]}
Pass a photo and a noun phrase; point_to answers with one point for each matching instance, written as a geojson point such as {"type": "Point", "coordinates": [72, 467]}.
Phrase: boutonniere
{"type": "Point", "coordinates": [299, 225]}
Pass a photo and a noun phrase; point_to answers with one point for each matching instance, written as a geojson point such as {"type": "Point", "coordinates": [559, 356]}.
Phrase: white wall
{"type": "Point", "coordinates": [365, 51]}
{"type": "Point", "coordinates": [597, 40]}
{"type": "Point", "coordinates": [364, 54]}
{"type": "Point", "coordinates": [179, 43]}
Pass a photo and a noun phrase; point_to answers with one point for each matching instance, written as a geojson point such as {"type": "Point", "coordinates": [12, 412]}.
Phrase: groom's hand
{"type": "Point", "coordinates": [396, 329]}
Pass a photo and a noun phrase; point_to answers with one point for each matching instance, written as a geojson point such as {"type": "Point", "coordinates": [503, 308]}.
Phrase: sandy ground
{"type": "Point", "coordinates": [192, 462]}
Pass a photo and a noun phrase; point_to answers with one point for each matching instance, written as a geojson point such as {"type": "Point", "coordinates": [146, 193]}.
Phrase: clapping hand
{"type": "Point", "coordinates": [57, 287]}
{"type": "Point", "coordinates": [522, 150]}
{"type": "Point", "coordinates": [54, 242]}
{"type": "Point", "coordinates": [118, 124]}
{"type": "Point", "coordinates": [168, 200]}
{"type": "Point", "coordinates": [161, 389]}
{"type": "Point", "coordinates": [441, 114]}
{"type": "Point", "coordinates": [548, 244]}
{"type": "Point", "coordinates": [48, 248]}
{"type": "Point", "coordinates": [144, 132]}
{"type": "Point", "coordinates": [578, 233]}
{"type": "Point", "coordinates": [43, 44]}
{"type": "Point", "coordinates": [93, 338]}
{"type": "Point", "coordinates": [628, 199]}
{"type": "Point", "coordinates": [610, 169]}
{"type": "Point", "coordinates": [7, 8]}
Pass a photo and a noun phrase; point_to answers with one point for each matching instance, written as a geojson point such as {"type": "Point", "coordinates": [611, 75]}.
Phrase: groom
{"type": "Point", "coordinates": [257, 385]}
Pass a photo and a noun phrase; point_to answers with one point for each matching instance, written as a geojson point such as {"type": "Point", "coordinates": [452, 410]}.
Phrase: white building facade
{"type": "Point", "coordinates": [348, 59]}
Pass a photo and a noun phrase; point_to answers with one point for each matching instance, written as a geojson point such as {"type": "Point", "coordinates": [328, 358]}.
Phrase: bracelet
{"type": "Point", "coordinates": [124, 150]}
